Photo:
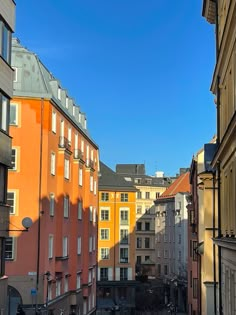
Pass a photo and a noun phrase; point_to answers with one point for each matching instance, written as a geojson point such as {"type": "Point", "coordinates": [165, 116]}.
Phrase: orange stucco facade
{"type": "Point", "coordinates": [54, 182]}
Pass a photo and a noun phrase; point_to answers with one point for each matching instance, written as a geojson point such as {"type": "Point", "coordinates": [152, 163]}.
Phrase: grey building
{"type": "Point", "coordinates": [7, 24]}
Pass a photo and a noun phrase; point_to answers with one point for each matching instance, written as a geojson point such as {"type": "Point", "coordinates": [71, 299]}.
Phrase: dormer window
{"type": "Point", "coordinates": [67, 102]}
{"type": "Point", "coordinates": [59, 93]}
{"type": "Point", "coordinates": [85, 124]}
{"type": "Point", "coordinates": [14, 74]}
{"type": "Point", "coordinates": [73, 110]}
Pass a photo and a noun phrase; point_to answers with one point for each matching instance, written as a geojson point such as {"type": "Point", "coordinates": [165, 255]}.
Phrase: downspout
{"type": "Point", "coordinates": [39, 201]}
{"type": "Point", "coordinates": [214, 248]}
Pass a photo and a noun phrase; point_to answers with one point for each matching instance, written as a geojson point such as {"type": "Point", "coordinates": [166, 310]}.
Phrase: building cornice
{"type": "Point", "coordinates": [209, 10]}
{"type": "Point", "coordinates": [226, 242]}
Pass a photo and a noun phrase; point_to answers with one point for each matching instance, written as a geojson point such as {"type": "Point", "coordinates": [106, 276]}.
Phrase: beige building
{"type": "Point", "coordinates": [7, 24]}
{"type": "Point", "coordinates": [223, 14]}
{"type": "Point", "coordinates": [149, 189]}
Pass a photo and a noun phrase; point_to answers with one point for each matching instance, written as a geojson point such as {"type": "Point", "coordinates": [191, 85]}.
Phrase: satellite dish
{"type": "Point", "coordinates": [27, 223]}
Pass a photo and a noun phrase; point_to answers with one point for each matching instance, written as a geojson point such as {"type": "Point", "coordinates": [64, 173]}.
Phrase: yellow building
{"type": "Point", "coordinates": [223, 14]}
{"type": "Point", "coordinates": [116, 242]}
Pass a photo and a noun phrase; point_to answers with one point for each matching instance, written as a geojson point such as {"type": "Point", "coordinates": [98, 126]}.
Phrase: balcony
{"type": "Point", "coordinates": [78, 154]}
{"type": "Point", "coordinates": [90, 163]}
{"type": "Point", "coordinates": [124, 240]}
{"type": "Point", "coordinates": [64, 143]}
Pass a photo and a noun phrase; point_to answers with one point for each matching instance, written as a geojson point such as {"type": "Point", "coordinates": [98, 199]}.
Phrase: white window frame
{"type": "Point", "coordinates": [66, 284]}
{"type": "Point", "coordinates": [91, 183]}
{"type": "Point", "coordinates": [66, 206]}
{"type": "Point", "coordinates": [80, 210]}
{"type": "Point", "coordinates": [65, 246]}
{"type": "Point", "coordinates": [69, 135]}
{"type": "Point", "coordinates": [95, 187]}
{"type": "Point", "coordinates": [80, 176]}
{"type": "Point", "coordinates": [59, 93]}
{"type": "Point", "coordinates": [90, 244]}
{"type": "Point", "coordinates": [106, 233]}
{"type": "Point", "coordinates": [15, 157]}
{"type": "Point", "coordinates": [54, 122]}
{"type": "Point", "coordinates": [58, 287]}
{"type": "Point", "coordinates": [51, 204]}
{"type": "Point", "coordinates": [105, 253]}
{"type": "Point", "coordinates": [78, 281]}
{"type": "Point", "coordinates": [79, 245]}
{"type": "Point", "coordinates": [67, 168]}
{"type": "Point", "coordinates": [13, 203]}
{"type": "Point", "coordinates": [103, 214]}
{"type": "Point", "coordinates": [50, 246]}
{"type": "Point", "coordinates": [91, 213]}
{"type": "Point", "coordinates": [12, 240]}
{"type": "Point", "coordinates": [15, 123]}
{"type": "Point", "coordinates": [53, 163]}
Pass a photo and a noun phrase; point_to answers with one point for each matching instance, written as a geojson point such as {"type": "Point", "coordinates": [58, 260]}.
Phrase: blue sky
{"type": "Point", "coordinates": [140, 69]}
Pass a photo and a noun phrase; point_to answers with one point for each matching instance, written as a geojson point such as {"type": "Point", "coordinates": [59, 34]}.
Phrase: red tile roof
{"type": "Point", "coordinates": [181, 184]}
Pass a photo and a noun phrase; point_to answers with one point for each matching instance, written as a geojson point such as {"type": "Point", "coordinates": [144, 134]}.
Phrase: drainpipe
{"type": "Point", "coordinates": [39, 203]}
{"type": "Point", "coordinates": [214, 246]}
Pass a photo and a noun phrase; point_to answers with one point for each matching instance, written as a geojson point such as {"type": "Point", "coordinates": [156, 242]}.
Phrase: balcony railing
{"type": "Point", "coordinates": [78, 154]}
{"type": "Point", "coordinates": [124, 240]}
{"type": "Point", "coordinates": [90, 163]}
{"type": "Point", "coordinates": [64, 143]}
{"type": "Point", "coordinates": [104, 278]}
{"type": "Point", "coordinates": [124, 260]}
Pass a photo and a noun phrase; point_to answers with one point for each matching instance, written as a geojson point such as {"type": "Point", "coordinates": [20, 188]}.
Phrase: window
{"type": "Point", "coordinates": [104, 215]}
{"type": "Point", "coordinates": [195, 288]}
{"type": "Point", "coordinates": [147, 258]}
{"type": "Point", "coordinates": [138, 260]}
{"type": "Point", "coordinates": [5, 42]}
{"type": "Point", "coordinates": [94, 242]}
{"type": "Point", "coordinates": [165, 253]}
{"type": "Point", "coordinates": [59, 93]}
{"type": "Point", "coordinates": [104, 234]}
{"type": "Point", "coordinates": [14, 74]}
{"type": "Point", "coordinates": [50, 246]}
{"type": "Point", "coordinates": [95, 188]}
{"type": "Point", "coordinates": [67, 101]}
{"type": "Point", "coordinates": [53, 163]}
{"type": "Point", "coordinates": [165, 270]}
{"type": "Point", "coordinates": [104, 274]}
{"type": "Point", "coordinates": [159, 269]}
{"type": "Point", "coordinates": [91, 183]}
{"type": "Point", "coordinates": [67, 169]}
{"type": "Point", "coordinates": [139, 195]}
{"type": "Point", "coordinates": [51, 205]}
{"type": "Point", "coordinates": [58, 287]}
{"type": "Point", "coordinates": [179, 238]}
{"type": "Point", "coordinates": [90, 276]}
{"type": "Point", "coordinates": [79, 245]}
{"type": "Point", "coordinates": [124, 255]}
{"type": "Point", "coordinates": [82, 146]}
{"type": "Point", "coordinates": [13, 159]}
{"type": "Point", "coordinates": [11, 201]}
{"type": "Point", "coordinates": [78, 281]}
{"type": "Point", "coordinates": [94, 215]}
{"type": "Point", "coordinates": [123, 274]}
{"type": "Point", "coordinates": [80, 207]}
{"type": "Point", "coordinates": [66, 283]}
{"type": "Point", "coordinates": [65, 246]}
{"type": "Point", "coordinates": [69, 135]}
{"type": "Point", "coordinates": [139, 226]}
{"type": "Point", "coordinates": [147, 226]}
{"type": "Point", "coordinates": [147, 242]}
{"type": "Point", "coordinates": [158, 253]}
{"type": "Point", "coordinates": [13, 119]}
{"type": "Point", "coordinates": [124, 236]}
{"type": "Point", "coordinates": [80, 176]}
{"type": "Point", "coordinates": [179, 255]}
{"type": "Point", "coordinates": [124, 216]}
{"type": "Point", "coordinates": [54, 122]}
{"type": "Point", "coordinates": [165, 237]}
{"type": "Point", "coordinates": [4, 108]}
{"type": "Point", "coordinates": [194, 247]}
{"type": "Point", "coordinates": [139, 210]}
{"type": "Point", "coordinates": [90, 244]}
{"type": "Point", "coordinates": [49, 290]}
{"type": "Point", "coordinates": [66, 206]}
{"type": "Point", "coordinates": [105, 252]}
{"type": "Point", "coordinates": [139, 242]}
{"type": "Point", "coordinates": [9, 248]}
{"type": "Point", "coordinates": [147, 195]}
{"type": "Point", "coordinates": [104, 196]}
{"type": "Point", "coordinates": [124, 197]}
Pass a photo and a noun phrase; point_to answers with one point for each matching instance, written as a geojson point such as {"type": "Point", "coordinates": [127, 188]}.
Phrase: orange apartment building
{"type": "Point", "coordinates": [53, 181]}
{"type": "Point", "coordinates": [116, 243]}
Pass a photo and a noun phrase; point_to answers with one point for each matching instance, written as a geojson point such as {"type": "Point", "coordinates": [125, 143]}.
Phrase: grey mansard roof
{"type": "Point", "coordinates": [112, 181]}
{"type": "Point", "coordinates": [36, 81]}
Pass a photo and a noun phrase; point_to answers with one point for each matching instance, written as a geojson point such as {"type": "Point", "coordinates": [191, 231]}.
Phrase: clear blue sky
{"type": "Point", "coordinates": [140, 69]}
